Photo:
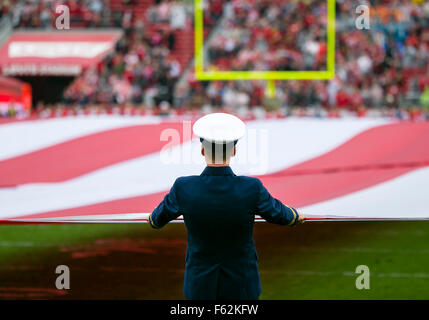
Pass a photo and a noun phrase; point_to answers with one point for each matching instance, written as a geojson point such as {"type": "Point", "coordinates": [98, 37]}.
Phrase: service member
{"type": "Point", "coordinates": [219, 209]}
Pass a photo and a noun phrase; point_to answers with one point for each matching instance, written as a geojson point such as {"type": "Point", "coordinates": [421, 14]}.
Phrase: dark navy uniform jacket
{"type": "Point", "coordinates": [219, 210]}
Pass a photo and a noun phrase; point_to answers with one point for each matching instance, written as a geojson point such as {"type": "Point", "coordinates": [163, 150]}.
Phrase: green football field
{"type": "Point", "coordinates": [310, 261]}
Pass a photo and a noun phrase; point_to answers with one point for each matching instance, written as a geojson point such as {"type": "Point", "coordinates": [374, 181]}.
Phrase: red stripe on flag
{"type": "Point", "coordinates": [137, 204]}
{"type": "Point", "coordinates": [82, 155]}
{"type": "Point", "coordinates": [391, 145]}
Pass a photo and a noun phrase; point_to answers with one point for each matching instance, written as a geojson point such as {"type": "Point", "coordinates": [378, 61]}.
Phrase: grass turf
{"type": "Point", "coordinates": [311, 261]}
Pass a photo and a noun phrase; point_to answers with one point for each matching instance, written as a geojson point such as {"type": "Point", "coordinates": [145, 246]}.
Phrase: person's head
{"type": "Point", "coordinates": [219, 134]}
{"type": "Point", "coordinates": [217, 154]}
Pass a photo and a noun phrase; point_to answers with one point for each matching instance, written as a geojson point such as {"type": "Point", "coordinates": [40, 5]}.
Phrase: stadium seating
{"type": "Point", "coordinates": [387, 66]}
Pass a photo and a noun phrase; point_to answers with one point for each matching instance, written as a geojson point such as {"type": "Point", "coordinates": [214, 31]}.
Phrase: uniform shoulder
{"type": "Point", "coordinates": [185, 179]}
{"type": "Point", "coordinates": [251, 180]}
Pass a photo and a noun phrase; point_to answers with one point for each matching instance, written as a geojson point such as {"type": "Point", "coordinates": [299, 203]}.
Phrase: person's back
{"type": "Point", "coordinates": [219, 209]}
{"type": "Point", "coordinates": [220, 235]}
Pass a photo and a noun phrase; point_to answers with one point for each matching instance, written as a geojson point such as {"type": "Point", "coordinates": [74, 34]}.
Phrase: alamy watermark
{"type": "Point", "coordinates": [62, 22]}
{"type": "Point", "coordinates": [62, 282]}
{"type": "Point", "coordinates": [362, 22]}
{"type": "Point", "coordinates": [362, 281]}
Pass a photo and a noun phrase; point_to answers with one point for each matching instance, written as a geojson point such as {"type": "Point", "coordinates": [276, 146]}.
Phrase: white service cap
{"type": "Point", "coordinates": [219, 128]}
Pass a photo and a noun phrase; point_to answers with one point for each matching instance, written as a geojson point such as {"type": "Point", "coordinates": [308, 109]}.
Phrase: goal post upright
{"type": "Point", "coordinates": [270, 76]}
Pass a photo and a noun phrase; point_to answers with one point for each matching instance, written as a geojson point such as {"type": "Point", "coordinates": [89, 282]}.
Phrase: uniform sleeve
{"type": "Point", "coordinates": [167, 210]}
{"type": "Point", "coordinates": [273, 211]}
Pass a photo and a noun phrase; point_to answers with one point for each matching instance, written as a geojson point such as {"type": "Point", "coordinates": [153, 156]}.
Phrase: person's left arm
{"type": "Point", "coordinates": [167, 210]}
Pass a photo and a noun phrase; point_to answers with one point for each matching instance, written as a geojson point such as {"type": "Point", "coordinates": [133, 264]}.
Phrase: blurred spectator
{"type": "Point", "coordinates": [177, 16]}
{"type": "Point", "coordinates": [4, 8]}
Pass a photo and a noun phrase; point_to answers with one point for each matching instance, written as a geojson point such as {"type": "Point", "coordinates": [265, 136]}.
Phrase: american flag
{"type": "Point", "coordinates": [117, 166]}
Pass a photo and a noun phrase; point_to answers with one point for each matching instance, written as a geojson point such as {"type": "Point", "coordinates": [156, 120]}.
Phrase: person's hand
{"type": "Point", "coordinates": [301, 218]}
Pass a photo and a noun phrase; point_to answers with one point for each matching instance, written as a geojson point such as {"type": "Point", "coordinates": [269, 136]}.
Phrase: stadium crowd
{"type": "Point", "coordinates": [140, 70]}
{"type": "Point", "coordinates": [270, 36]}
{"type": "Point", "coordinates": [386, 66]}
